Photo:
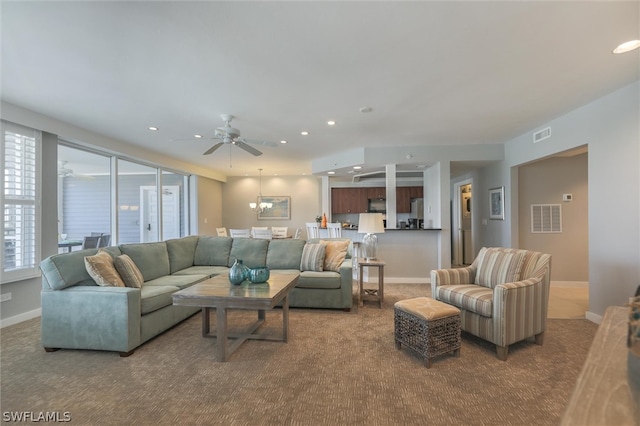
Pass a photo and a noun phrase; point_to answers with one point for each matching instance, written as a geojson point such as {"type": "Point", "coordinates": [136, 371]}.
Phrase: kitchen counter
{"type": "Point", "coordinates": [409, 254]}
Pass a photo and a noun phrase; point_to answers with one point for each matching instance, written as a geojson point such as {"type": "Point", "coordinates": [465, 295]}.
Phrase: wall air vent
{"type": "Point", "coordinates": [541, 135]}
{"type": "Point", "coordinates": [546, 218]}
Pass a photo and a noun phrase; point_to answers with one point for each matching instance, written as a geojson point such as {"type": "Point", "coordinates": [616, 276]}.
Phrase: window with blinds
{"type": "Point", "coordinates": [546, 218]}
{"type": "Point", "coordinates": [20, 202]}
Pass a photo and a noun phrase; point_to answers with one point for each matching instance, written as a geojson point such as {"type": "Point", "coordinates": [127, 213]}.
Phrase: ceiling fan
{"type": "Point", "coordinates": [64, 171]}
{"type": "Point", "coordinates": [230, 135]}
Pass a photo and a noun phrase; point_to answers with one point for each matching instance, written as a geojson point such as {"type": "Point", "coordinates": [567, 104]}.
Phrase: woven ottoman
{"type": "Point", "coordinates": [428, 327]}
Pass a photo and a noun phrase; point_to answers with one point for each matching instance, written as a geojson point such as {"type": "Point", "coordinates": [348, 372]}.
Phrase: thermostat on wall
{"type": "Point", "coordinates": [567, 197]}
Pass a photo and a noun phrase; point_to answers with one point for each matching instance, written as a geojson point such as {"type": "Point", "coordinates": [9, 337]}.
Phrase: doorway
{"type": "Point", "coordinates": [462, 244]}
{"type": "Point", "coordinates": [149, 230]}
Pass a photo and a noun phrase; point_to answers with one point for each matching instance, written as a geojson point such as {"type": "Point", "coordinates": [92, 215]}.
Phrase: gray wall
{"type": "Point", "coordinates": [610, 127]}
{"type": "Point", "coordinates": [238, 192]}
{"type": "Point", "coordinates": [544, 182]}
{"type": "Point", "coordinates": [209, 206]}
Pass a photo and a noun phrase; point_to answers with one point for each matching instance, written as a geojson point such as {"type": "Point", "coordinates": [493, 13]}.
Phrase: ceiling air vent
{"type": "Point", "coordinates": [541, 135]}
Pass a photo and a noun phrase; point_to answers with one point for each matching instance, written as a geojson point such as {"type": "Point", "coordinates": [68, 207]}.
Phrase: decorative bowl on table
{"type": "Point", "coordinates": [259, 275]}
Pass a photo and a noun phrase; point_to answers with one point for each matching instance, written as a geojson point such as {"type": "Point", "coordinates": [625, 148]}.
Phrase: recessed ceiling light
{"type": "Point", "coordinates": [627, 46]}
{"type": "Point", "coordinates": [331, 173]}
{"type": "Point", "coordinates": [283, 141]}
{"type": "Point", "coordinates": [366, 109]}
{"type": "Point", "coordinates": [153, 128]}
{"type": "Point", "coordinates": [331, 123]}
{"type": "Point", "coordinates": [304, 133]}
{"type": "Point", "coordinates": [197, 136]}
{"type": "Point", "coordinates": [357, 167]}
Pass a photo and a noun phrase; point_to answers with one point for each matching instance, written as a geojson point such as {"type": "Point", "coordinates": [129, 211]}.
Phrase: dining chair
{"type": "Point", "coordinates": [313, 230]}
{"type": "Point", "coordinates": [90, 242]}
{"type": "Point", "coordinates": [257, 228]}
{"type": "Point", "coordinates": [240, 233]}
{"type": "Point", "coordinates": [222, 232]}
{"type": "Point", "coordinates": [298, 234]}
{"type": "Point", "coordinates": [335, 230]}
{"type": "Point", "coordinates": [279, 231]}
{"type": "Point", "coordinates": [262, 234]}
{"type": "Point", "coordinates": [105, 239]}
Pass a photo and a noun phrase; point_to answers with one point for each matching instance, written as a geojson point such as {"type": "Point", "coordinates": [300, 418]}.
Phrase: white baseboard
{"type": "Point", "coordinates": [20, 318]}
{"type": "Point", "coordinates": [593, 317]}
{"type": "Point", "coordinates": [398, 280]}
{"type": "Point", "coordinates": [573, 284]}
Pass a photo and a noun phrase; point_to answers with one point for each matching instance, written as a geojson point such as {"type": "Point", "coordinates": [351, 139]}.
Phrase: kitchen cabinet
{"type": "Point", "coordinates": [349, 200]}
{"type": "Point", "coordinates": [376, 193]}
{"type": "Point", "coordinates": [404, 195]}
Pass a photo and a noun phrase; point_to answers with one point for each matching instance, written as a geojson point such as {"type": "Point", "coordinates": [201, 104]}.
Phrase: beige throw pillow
{"type": "Point", "coordinates": [130, 273]}
{"type": "Point", "coordinates": [100, 267]}
{"type": "Point", "coordinates": [336, 252]}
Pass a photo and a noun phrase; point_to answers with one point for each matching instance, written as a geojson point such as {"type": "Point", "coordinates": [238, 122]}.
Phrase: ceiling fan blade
{"type": "Point", "coordinates": [213, 148]}
{"type": "Point", "coordinates": [257, 142]}
{"type": "Point", "coordinates": [249, 149]}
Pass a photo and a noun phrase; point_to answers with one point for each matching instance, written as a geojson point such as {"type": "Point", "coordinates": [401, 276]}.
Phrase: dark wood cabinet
{"type": "Point", "coordinates": [349, 200]}
{"type": "Point", "coordinates": [404, 195]}
{"type": "Point", "coordinates": [377, 193]}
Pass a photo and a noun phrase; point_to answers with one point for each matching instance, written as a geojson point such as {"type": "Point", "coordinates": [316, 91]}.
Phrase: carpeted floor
{"type": "Point", "coordinates": [338, 368]}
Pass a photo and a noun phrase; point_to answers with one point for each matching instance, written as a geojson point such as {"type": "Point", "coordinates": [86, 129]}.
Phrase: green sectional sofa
{"type": "Point", "coordinates": [79, 314]}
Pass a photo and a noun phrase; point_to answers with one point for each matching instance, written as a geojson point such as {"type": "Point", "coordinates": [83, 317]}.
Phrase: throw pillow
{"type": "Point", "coordinates": [100, 267]}
{"type": "Point", "coordinates": [130, 273]}
{"type": "Point", "coordinates": [336, 251]}
{"type": "Point", "coordinates": [499, 267]}
{"type": "Point", "coordinates": [312, 257]}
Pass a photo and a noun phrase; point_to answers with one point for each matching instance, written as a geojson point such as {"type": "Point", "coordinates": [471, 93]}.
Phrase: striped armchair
{"type": "Point", "coordinates": [503, 296]}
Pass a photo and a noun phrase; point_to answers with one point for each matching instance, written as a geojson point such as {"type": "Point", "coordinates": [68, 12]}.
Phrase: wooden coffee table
{"type": "Point", "coordinates": [219, 293]}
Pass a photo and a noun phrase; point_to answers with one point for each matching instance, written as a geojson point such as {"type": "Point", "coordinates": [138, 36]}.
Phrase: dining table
{"type": "Point", "coordinates": [69, 244]}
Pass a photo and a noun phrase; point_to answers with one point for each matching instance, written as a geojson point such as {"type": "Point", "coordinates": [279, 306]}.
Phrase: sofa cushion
{"type": "Point", "coordinates": [253, 252]}
{"type": "Point", "coordinates": [323, 280]}
{"type": "Point", "coordinates": [285, 254]}
{"type": "Point", "coordinates": [210, 271]}
{"type": "Point", "coordinates": [470, 297]}
{"type": "Point", "coordinates": [336, 251]}
{"type": "Point", "coordinates": [181, 252]}
{"type": "Point", "coordinates": [313, 257]}
{"type": "Point", "coordinates": [100, 267]}
{"type": "Point", "coordinates": [151, 258]}
{"type": "Point", "coordinates": [180, 281]}
{"type": "Point", "coordinates": [129, 272]}
{"type": "Point", "coordinates": [155, 297]}
{"type": "Point", "coordinates": [67, 269]}
{"type": "Point", "coordinates": [213, 251]}
{"type": "Point", "coordinates": [499, 267]}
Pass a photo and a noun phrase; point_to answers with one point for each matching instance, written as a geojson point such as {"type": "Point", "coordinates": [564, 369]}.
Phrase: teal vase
{"type": "Point", "coordinates": [238, 272]}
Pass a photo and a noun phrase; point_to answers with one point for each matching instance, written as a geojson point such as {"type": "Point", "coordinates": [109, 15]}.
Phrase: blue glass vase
{"type": "Point", "coordinates": [259, 274]}
{"type": "Point", "coordinates": [238, 272]}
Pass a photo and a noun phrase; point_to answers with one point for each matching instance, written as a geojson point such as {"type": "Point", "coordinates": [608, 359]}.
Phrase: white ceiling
{"type": "Point", "coordinates": [434, 73]}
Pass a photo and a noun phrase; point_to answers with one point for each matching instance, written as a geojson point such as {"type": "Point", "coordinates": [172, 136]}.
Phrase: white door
{"type": "Point", "coordinates": [149, 230]}
{"type": "Point", "coordinates": [462, 249]}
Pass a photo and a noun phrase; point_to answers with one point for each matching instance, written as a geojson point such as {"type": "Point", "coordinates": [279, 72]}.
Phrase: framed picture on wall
{"type": "Point", "coordinates": [280, 210]}
{"type": "Point", "coordinates": [496, 203]}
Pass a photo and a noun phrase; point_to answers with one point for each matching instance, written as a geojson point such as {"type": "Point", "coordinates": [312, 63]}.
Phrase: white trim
{"type": "Point", "coordinates": [573, 284]}
{"type": "Point", "coordinates": [397, 280]}
{"type": "Point", "coordinates": [593, 317]}
{"type": "Point", "coordinates": [16, 319]}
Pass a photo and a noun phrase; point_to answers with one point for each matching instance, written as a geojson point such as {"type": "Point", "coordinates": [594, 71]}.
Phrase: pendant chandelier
{"type": "Point", "coordinates": [259, 206]}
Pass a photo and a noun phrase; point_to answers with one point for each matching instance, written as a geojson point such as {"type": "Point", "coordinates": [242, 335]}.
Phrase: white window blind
{"type": "Point", "coordinates": [546, 218]}
{"type": "Point", "coordinates": [20, 253]}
